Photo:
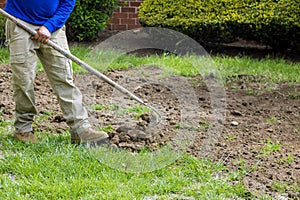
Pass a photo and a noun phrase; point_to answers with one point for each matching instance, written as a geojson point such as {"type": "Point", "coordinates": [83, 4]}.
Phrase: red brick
{"type": "Point", "coordinates": [128, 21]}
{"type": "Point", "coordinates": [128, 10]}
{"type": "Point", "coordinates": [125, 16]}
{"type": "Point", "coordinates": [121, 15]}
{"type": "Point", "coordinates": [133, 15]}
{"type": "Point", "coordinates": [134, 4]}
{"type": "Point", "coordinates": [114, 20]}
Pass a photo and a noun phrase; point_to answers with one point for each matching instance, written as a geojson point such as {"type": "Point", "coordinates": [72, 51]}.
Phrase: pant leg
{"type": "Point", "coordinates": [23, 61]}
{"type": "Point", "coordinates": [59, 71]}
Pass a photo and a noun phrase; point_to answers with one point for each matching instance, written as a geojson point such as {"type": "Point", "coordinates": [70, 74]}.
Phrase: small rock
{"type": "Point", "coordinates": [115, 139]}
{"type": "Point", "coordinates": [270, 130]}
{"type": "Point", "coordinates": [125, 128]}
{"type": "Point", "coordinates": [132, 133]}
{"type": "Point", "coordinates": [234, 123]}
{"type": "Point", "coordinates": [139, 145]}
{"type": "Point", "coordinates": [124, 138]}
{"type": "Point", "coordinates": [236, 113]}
{"type": "Point", "coordinates": [282, 196]}
{"type": "Point", "coordinates": [146, 117]}
{"type": "Point", "coordinates": [127, 145]}
{"type": "Point", "coordinates": [142, 134]}
{"type": "Point", "coordinates": [245, 104]}
{"type": "Point", "coordinates": [135, 133]}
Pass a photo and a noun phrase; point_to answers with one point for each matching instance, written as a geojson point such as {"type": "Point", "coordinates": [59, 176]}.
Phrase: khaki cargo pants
{"type": "Point", "coordinates": [24, 53]}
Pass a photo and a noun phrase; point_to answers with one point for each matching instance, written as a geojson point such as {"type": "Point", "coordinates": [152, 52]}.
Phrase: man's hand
{"type": "Point", "coordinates": [42, 35]}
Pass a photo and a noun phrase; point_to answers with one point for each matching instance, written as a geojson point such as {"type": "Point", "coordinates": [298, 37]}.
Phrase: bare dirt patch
{"type": "Point", "coordinates": [261, 135]}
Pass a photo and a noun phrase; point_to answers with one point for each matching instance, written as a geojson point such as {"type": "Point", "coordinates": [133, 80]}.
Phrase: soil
{"type": "Point", "coordinates": [260, 135]}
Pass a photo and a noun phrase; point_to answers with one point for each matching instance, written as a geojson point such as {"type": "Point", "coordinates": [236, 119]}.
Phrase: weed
{"type": "Point", "coordinates": [289, 159]}
{"type": "Point", "coordinates": [271, 88]}
{"type": "Point", "coordinates": [5, 126]}
{"type": "Point", "coordinates": [107, 128]}
{"type": "Point", "coordinates": [230, 137]}
{"type": "Point", "coordinates": [111, 107]}
{"type": "Point", "coordinates": [294, 95]}
{"type": "Point", "coordinates": [41, 118]}
{"type": "Point", "coordinates": [137, 111]}
{"type": "Point", "coordinates": [98, 107]}
{"type": "Point", "coordinates": [271, 120]}
{"type": "Point", "coordinates": [250, 91]}
{"type": "Point", "coordinates": [184, 127]}
{"type": "Point", "coordinates": [280, 187]}
{"type": "Point", "coordinates": [297, 130]}
{"type": "Point", "coordinates": [270, 147]}
{"type": "Point", "coordinates": [197, 82]}
{"type": "Point", "coordinates": [235, 87]}
{"type": "Point", "coordinates": [240, 162]}
{"type": "Point", "coordinates": [204, 125]}
{"type": "Point", "coordinates": [238, 174]}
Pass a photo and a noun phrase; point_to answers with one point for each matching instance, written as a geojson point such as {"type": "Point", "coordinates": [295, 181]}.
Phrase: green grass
{"type": "Point", "coordinates": [271, 69]}
{"type": "Point", "coordinates": [136, 110]}
{"type": "Point", "coordinates": [270, 147]}
{"type": "Point", "coordinates": [272, 120]}
{"type": "Point", "coordinates": [55, 169]}
{"type": "Point", "coordinates": [111, 107]}
{"type": "Point", "coordinates": [4, 56]}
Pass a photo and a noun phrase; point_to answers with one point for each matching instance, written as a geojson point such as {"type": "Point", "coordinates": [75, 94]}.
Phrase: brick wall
{"type": "Point", "coordinates": [2, 3]}
{"type": "Point", "coordinates": [125, 17]}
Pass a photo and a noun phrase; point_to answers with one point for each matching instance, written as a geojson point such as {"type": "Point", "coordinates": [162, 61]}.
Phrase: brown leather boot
{"type": "Point", "coordinates": [89, 136]}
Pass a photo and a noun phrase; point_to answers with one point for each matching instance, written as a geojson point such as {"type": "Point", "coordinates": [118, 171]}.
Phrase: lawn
{"type": "Point", "coordinates": [56, 169]}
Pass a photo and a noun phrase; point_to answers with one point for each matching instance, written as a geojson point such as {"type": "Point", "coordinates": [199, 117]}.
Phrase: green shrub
{"type": "Point", "coordinates": [89, 18]}
{"type": "Point", "coordinates": [2, 30]}
{"type": "Point", "coordinates": [273, 22]}
{"type": "Point", "coordinates": [86, 21]}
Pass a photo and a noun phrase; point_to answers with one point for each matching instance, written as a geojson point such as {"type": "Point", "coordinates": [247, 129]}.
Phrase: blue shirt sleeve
{"type": "Point", "coordinates": [61, 15]}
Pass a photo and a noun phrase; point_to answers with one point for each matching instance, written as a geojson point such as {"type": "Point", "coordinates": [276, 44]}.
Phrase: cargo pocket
{"type": "Point", "coordinates": [23, 70]}
{"type": "Point", "coordinates": [17, 58]}
{"type": "Point", "coordinates": [23, 64]}
{"type": "Point", "coordinates": [7, 35]}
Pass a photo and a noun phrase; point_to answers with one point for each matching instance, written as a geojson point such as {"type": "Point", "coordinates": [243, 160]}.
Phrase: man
{"type": "Point", "coordinates": [48, 19]}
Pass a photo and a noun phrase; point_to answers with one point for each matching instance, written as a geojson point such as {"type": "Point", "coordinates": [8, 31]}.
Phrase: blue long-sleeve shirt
{"type": "Point", "coordinates": [52, 14]}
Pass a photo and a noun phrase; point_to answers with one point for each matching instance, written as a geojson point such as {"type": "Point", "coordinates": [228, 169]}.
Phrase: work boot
{"type": "Point", "coordinates": [27, 137]}
{"type": "Point", "coordinates": [90, 136]}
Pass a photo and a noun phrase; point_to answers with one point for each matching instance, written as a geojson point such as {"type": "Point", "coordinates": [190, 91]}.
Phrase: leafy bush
{"type": "Point", "coordinates": [273, 22]}
{"type": "Point", "coordinates": [2, 30]}
{"type": "Point", "coordinates": [88, 18]}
